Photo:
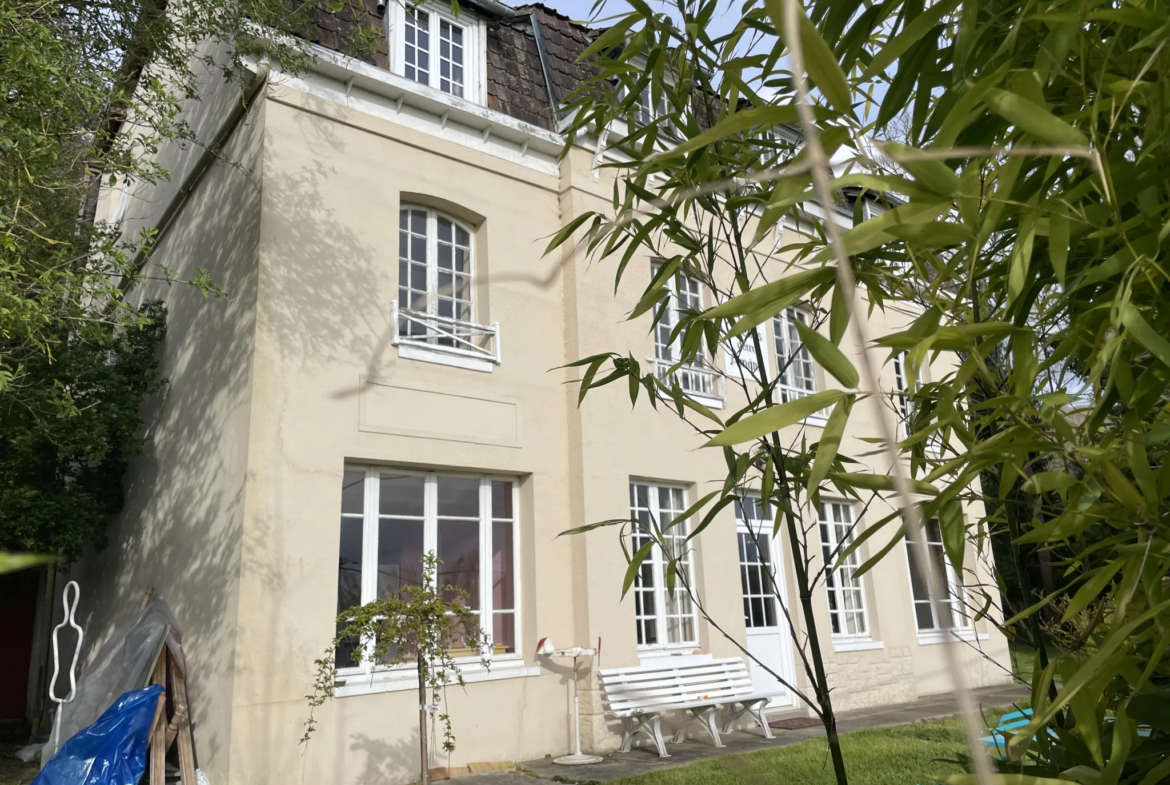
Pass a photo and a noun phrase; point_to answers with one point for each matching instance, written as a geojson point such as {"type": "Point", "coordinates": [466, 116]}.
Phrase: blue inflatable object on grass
{"type": "Point", "coordinates": [112, 751]}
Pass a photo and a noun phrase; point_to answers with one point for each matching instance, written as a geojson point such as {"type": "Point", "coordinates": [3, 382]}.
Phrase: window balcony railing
{"type": "Point", "coordinates": [699, 380]}
{"type": "Point", "coordinates": [446, 335]}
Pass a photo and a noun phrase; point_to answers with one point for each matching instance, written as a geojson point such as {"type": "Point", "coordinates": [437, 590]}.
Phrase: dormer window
{"type": "Point", "coordinates": [645, 110]}
{"type": "Point", "coordinates": [433, 47]}
{"type": "Point", "coordinates": [648, 111]}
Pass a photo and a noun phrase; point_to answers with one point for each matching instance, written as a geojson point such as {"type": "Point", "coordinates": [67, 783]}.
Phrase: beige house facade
{"type": "Point", "coordinates": [384, 378]}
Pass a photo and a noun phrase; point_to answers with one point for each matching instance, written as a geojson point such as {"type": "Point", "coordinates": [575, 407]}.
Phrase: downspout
{"type": "Point", "coordinates": [209, 154]}
{"type": "Point", "coordinates": [553, 104]}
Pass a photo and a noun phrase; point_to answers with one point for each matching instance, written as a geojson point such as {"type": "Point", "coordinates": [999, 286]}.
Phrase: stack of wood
{"type": "Point", "coordinates": [172, 723]}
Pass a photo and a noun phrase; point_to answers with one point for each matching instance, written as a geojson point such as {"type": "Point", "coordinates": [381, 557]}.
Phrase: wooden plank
{"type": "Point", "coordinates": [158, 730]}
{"type": "Point", "coordinates": [186, 740]}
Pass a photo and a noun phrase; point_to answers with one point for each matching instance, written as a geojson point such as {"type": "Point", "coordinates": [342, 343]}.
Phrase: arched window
{"type": "Point", "coordinates": [434, 264]}
{"type": "Point", "coordinates": [436, 292]}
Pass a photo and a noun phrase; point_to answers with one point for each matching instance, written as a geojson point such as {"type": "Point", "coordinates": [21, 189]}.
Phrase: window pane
{"type": "Point", "coordinates": [416, 45]}
{"type": "Point", "coordinates": [918, 582]}
{"type": "Point", "coordinates": [503, 585]}
{"type": "Point", "coordinates": [400, 550]}
{"type": "Point", "coordinates": [349, 565]}
{"type": "Point", "coordinates": [459, 497]}
{"type": "Point", "coordinates": [353, 492]}
{"type": "Point", "coordinates": [349, 584]}
{"type": "Point", "coordinates": [401, 494]}
{"type": "Point", "coordinates": [450, 58]}
{"type": "Point", "coordinates": [459, 552]}
{"type": "Point", "coordinates": [923, 616]}
{"type": "Point", "coordinates": [501, 499]}
{"type": "Point", "coordinates": [503, 633]}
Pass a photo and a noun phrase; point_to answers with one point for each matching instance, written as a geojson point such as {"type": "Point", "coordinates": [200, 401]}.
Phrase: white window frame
{"type": "Point", "coordinates": [790, 391]}
{"type": "Point", "coordinates": [902, 392]}
{"type": "Point", "coordinates": [904, 387]}
{"type": "Point", "coordinates": [754, 528]}
{"type": "Point", "coordinates": [368, 676]}
{"type": "Point", "coordinates": [657, 564]}
{"type": "Point", "coordinates": [955, 596]}
{"type": "Point", "coordinates": [448, 340]}
{"type": "Point", "coordinates": [698, 379]}
{"type": "Point", "coordinates": [841, 582]}
{"type": "Point", "coordinates": [474, 48]}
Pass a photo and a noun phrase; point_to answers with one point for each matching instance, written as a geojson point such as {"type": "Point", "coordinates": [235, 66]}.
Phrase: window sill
{"type": "Point", "coordinates": [710, 403]}
{"type": "Point", "coordinates": [932, 637]}
{"type": "Point", "coordinates": [857, 644]}
{"type": "Point", "coordinates": [402, 679]}
{"type": "Point", "coordinates": [433, 354]}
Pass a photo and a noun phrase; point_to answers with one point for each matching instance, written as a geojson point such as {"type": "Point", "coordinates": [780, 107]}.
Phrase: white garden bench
{"type": "Point", "coordinates": [642, 696]}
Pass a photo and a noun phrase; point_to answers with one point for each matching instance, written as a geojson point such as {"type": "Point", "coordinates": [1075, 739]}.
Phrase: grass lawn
{"type": "Point", "coordinates": [901, 755]}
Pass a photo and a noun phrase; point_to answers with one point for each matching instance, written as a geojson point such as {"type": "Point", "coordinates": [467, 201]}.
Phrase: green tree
{"type": "Point", "coordinates": [64, 447]}
{"type": "Point", "coordinates": [426, 626]}
{"type": "Point", "coordinates": [1015, 154]}
{"type": "Point", "coordinates": [88, 94]}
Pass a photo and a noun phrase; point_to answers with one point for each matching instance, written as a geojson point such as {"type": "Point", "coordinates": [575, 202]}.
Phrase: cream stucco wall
{"type": "Point", "coordinates": [182, 528]}
{"type": "Point", "coordinates": [234, 513]}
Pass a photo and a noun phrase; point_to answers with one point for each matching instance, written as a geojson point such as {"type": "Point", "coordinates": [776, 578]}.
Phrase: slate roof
{"type": "Point", "coordinates": [518, 83]}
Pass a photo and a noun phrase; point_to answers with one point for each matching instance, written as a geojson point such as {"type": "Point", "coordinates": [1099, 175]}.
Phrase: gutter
{"type": "Point", "coordinates": [553, 104]}
{"type": "Point", "coordinates": [491, 8]}
{"type": "Point", "coordinates": [191, 182]}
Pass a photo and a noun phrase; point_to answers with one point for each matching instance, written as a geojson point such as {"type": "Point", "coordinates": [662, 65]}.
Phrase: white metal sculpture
{"type": "Point", "coordinates": [546, 648]}
{"type": "Point", "coordinates": [69, 620]}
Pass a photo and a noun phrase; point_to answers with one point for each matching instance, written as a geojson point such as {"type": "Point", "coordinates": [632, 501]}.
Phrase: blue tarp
{"type": "Point", "coordinates": [112, 751]}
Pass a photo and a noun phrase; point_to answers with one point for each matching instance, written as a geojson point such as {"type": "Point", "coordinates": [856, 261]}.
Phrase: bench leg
{"type": "Point", "coordinates": [753, 708]}
{"type": "Point", "coordinates": [651, 725]}
{"type": "Point", "coordinates": [705, 717]}
{"type": "Point", "coordinates": [656, 732]}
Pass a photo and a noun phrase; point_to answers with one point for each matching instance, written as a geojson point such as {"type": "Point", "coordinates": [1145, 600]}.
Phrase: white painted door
{"type": "Point", "coordinates": [761, 574]}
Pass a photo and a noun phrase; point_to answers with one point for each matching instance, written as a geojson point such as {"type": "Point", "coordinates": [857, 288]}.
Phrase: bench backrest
{"type": "Point", "coordinates": [628, 690]}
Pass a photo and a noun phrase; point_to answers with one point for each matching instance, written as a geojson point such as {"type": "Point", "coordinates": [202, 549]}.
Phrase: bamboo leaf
{"type": "Point", "coordinates": [1092, 588]}
{"type": "Point", "coordinates": [694, 508]}
{"type": "Point", "coordinates": [591, 526]}
{"type": "Point", "coordinates": [829, 444]}
{"type": "Point", "coordinates": [898, 537]}
{"type": "Point", "coordinates": [775, 418]}
{"type": "Point", "coordinates": [566, 231]}
{"type": "Point", "coordinates": [757, 119]}
{"type": "Point", "coordinates": [1141, 331]}
{"type": "Point", "coordinates": [838, 316]}
{"type": "Point", "coordinates": [1033, 118]}
{"type": "Point", "coordinates": [933, 174]}
{"type": "Point", "coordinates": [635, 564]}
{"type": "Point", "coordinates": [910, 34]}
{"type": "Point", "coordinates": [828, 355]}
{"type": "Point", "coordinates": [877, 482]}
{"type": "Point", "coordinates": [954, 533]}
{"type": "Point", "coordinates": [609, 39]}
{"type": "Point", "coordinates": [1058, 239]}
{"type": "Point", "coordinates": [823, 68]}
{"type": "Point", "coordinates": [761, 297]}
